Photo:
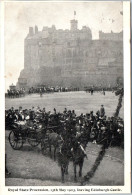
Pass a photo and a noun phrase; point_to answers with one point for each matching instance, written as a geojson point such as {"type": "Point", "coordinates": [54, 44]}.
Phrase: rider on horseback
{"type": "Point", "coordinates": [75, 145]}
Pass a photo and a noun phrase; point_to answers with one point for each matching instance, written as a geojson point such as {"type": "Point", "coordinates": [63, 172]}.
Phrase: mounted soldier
{"type": "Point", "coordinates": [102, 111]}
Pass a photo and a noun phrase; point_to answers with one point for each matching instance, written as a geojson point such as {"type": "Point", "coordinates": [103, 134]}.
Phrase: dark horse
{"type": "Point", "coordinates": [78, 155]}
{"type": "Point", "coordinates": [64, 156]}
{"type": "Point", "coordinates": [75, 153]}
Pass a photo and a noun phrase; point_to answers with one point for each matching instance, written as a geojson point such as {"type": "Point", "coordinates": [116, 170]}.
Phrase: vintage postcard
{"type": "Point", "coordinates": [65, 97]}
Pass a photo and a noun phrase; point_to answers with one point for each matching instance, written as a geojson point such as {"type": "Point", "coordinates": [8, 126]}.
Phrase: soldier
{"type": "Point", "coordinates": [20, 115]}
{"type": "Point", "coordinates": [54, 111]}
{"type": "Point", "coordinates": [32, 115]}
{"type": "Point", "coordinates": [73, 114]}
{"type": "Point", "coordinates": [102, 111]}
{"type": "Point", "coordinates": [65, 111]}
{"type": "Point", "coordinates": [103, 92]}
{"type": "Point", "coordinates": [20, 109]}
{"type": "Point", "coordinates": [40, 91]}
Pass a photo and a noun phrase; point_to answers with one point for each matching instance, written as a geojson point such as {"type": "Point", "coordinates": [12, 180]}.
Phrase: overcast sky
{"type": "Point", "coordinates": [105, 16]}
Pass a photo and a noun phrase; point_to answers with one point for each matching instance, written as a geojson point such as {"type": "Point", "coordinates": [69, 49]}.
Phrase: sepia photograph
{"type": "Point", "coordinates": [66, 122]}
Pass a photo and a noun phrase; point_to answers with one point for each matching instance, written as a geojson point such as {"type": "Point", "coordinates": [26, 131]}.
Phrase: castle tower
{"type": "Point", "coordinates": [74, 23]}
{"type": "Point", "coordinates": [31, 33]}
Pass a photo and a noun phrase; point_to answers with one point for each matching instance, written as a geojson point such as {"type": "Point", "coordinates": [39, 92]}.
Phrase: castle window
{"type": "Point", "coordinates": [54, 59]}
{"type": "Point", "coordinates": [74, 53]}
{"type": "Point", "coordinates": [86, 54]}
{"type": "Point", "coordinates": [40, 44]}
{"type": "Point", "coordinates": [68, 61]}
{"type": "Point", "coordinates": [69, 54]}
{"type": "Point", "coordinates": [68, 44]}
{"type": "Point", "coordinates": [54, 41]}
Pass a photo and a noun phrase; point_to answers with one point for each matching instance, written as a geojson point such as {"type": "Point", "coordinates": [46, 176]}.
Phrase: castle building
{"type": "Point", "coordinates": [67, 58]}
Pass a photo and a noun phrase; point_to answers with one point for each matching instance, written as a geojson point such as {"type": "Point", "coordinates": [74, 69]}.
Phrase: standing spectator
{"type": "Point", "coordinates": [102, 111]}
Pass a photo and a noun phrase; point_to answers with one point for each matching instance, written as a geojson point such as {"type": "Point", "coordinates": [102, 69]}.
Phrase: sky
{"type": "Point", "coordinates": [19, 16]}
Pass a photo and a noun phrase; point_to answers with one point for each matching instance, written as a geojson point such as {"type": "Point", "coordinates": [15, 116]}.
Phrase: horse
{"type": "Point", "coordinates": [51, 139]}
{"type": "Point", "coordinates": [78, 155]}
{"type": "Point", "coordinates": [74, 152]}
{"type": "Point", "coordinates": [64, 156]}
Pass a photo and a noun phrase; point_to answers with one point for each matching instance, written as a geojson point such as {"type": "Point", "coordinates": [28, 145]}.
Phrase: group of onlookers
{"type": "Point", "coordinates": [14, 93]}
{"type": "Point", "coordinates": [95, 126]}
{"type": "Point", "coordinates": [51, 89]}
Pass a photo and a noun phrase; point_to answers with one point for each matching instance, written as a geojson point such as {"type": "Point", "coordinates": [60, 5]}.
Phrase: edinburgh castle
{"type": "Point", "coordinates": [56, 57]}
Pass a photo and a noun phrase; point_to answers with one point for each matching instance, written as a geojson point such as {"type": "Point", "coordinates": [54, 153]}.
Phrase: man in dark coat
{"type": "Point", "coordinates": [102, 111]}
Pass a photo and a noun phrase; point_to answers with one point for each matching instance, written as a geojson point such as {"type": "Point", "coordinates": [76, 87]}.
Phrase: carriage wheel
{"type": "Point", "coordinates": [33, 139]}
{"type": "Point", "coordinates": [15, 140]}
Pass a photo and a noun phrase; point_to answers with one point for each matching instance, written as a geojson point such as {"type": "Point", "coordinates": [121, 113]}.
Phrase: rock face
{"type": "Point", "coordinates": [71, 58]}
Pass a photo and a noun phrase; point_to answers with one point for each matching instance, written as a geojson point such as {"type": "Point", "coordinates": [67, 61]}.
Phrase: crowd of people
{"type": "Point", "coordinates": [94, 127]}
{"type": "Point", "coordinates": [50, 89]}
{"type": "Point", "coordinates": [14, 93]}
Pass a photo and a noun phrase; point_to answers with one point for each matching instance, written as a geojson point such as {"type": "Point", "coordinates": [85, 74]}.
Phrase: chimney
{"type": "Point", "coordinates": [36, 29]}
{"type": "Point", "coordinates": [31, 31]}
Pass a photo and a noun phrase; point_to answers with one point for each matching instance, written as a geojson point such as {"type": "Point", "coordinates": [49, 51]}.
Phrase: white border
{"type": "Point", "coordinates": [2, 101]}
{"type": "Point", "coordinates": [127, 113]}
{"type": "Point", "coordinates": [127, 94]}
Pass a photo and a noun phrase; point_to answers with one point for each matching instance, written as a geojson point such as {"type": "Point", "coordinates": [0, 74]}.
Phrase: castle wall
{"type": "Point", "coordinates": [71, 58]}
{"type": "Point", "coordinates": [111, 36]}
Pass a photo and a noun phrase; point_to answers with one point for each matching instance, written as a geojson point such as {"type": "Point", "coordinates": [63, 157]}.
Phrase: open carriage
{"type": "Point", "coordinates": [22, 133]}
{"type": "Point", "coordinates": [33, 133]}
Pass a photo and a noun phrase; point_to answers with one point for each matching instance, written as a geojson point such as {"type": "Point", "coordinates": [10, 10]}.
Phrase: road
{"type": "Point", "coordinates": [30, 168]}
{"type": "Point", "coordinates": [81, 102]}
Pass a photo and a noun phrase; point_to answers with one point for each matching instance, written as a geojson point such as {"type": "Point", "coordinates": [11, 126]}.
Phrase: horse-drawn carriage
{"type": "Point", "coordinates": [32, 133]}
{"type": "Point", "coordinates": [21, 132]}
